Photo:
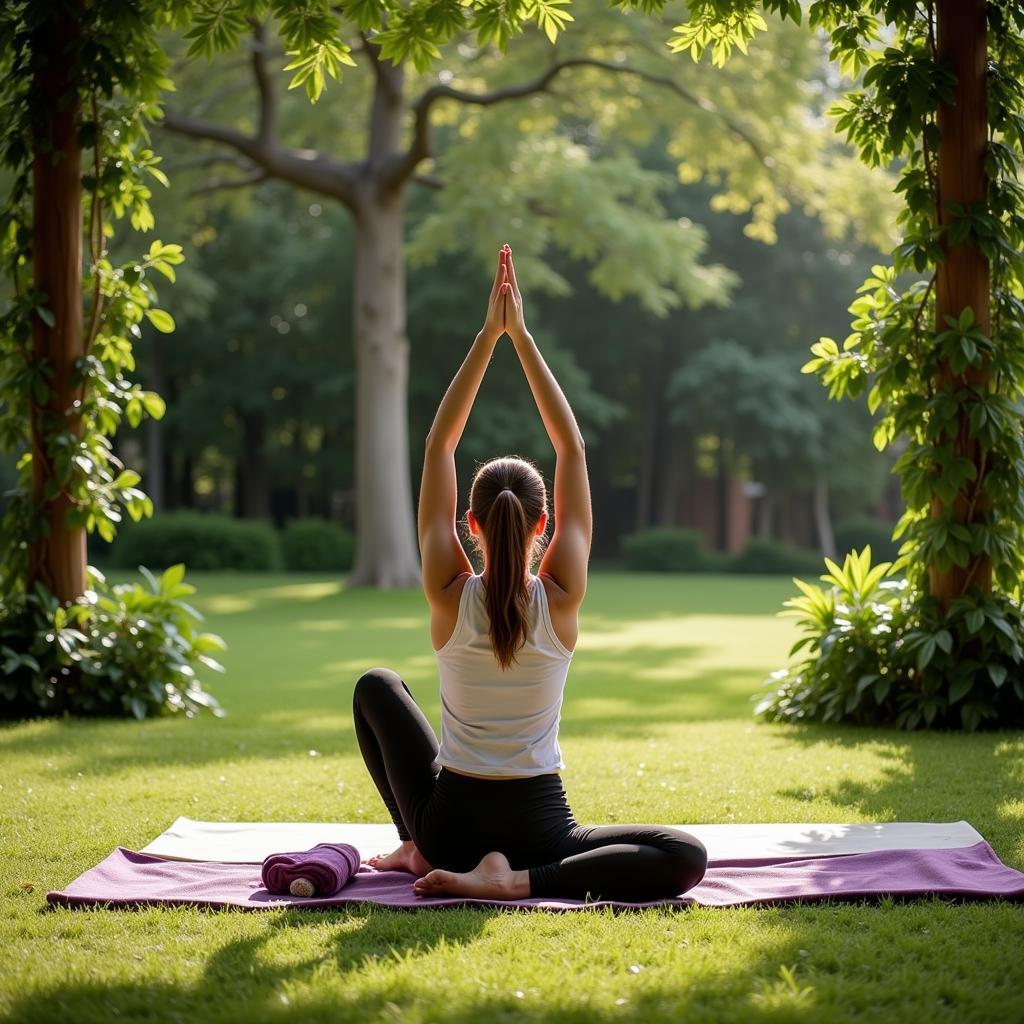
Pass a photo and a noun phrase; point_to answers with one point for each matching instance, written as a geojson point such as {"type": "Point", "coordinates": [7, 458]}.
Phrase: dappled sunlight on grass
{"type": "Point", "coordinates": [324, 626]}
{"type": "Point", "coordinates": [409, 622]}
{"type": "Point", "coordinates": [229, 604]}
{"type": "Point", "coordinates": [247, 598]}
{"type": "Point", "coordinates": [732, 637]}
{"type": "Point", "coordinates": [314, 591]}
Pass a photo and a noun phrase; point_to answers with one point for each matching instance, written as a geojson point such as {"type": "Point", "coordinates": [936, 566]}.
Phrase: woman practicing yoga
{"type": "Point", "coordinates": [484, 814]}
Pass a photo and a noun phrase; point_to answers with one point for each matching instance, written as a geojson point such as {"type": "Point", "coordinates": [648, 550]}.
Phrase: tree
{"type": "Point", "coordinates": [63, 392]}
{"type": "Point", "coordinates": [634, 248]}
{"type": "Point", "coordinates": [942, 359]}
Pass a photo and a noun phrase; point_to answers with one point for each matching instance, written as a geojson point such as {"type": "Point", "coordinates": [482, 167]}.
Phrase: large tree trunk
{"type": "Point", "coordinates": [962, 278]}
{"type": "Point", "coordinates": [386, 547]}
{"type": "Point", "coordinates": [58, 559]}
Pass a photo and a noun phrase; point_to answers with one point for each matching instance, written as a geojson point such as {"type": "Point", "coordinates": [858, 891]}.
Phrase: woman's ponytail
{"type": "Point", "coordinates": [507, 598]}
{"type": "Point", "coordinates": [508, 499]}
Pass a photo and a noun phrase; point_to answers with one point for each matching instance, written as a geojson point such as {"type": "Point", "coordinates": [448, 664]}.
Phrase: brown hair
{"type": "Point", "coordinates": [507, 498]}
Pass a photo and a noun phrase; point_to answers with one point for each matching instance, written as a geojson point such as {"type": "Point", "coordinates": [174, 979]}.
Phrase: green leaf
{"type": "Point", "coordinates": [154, 405]}
{"type": "Point", "coordinates": [865, 681]}
{"type": "Point", "coordinates": [207, 643]}
{"type": "Point", "coordinates": [171, 577]}
{"type": "Point", "coordinates": [959, 688]}
{"type": "Point", "coordinates": [126, 478]}
{"type": "Point", "coordinates": [46, 315]}
{"type": "Point", "coordinates": [997, 673]}
{"type": "Point", "coordinates": [925, 653]}
{"type": "Point", "coordinates": [161, 320]}
{"type": "Point", "coordinates": [159, 175]}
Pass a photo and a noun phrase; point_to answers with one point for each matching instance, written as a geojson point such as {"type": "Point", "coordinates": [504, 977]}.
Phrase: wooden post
{"type": "Point", "coordinates": [57, 559]}
{"type": "Point", "coordinates": [963, 277]}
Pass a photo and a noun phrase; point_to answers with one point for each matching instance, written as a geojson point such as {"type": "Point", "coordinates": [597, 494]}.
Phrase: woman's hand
{"type": "Point", "coordinates": [514, 322]}
{"type": "Point", "coordinates": [494, 322]}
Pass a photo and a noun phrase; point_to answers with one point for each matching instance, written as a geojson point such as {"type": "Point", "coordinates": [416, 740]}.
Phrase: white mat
{"type": "Point", "coordinates": [249, 842]}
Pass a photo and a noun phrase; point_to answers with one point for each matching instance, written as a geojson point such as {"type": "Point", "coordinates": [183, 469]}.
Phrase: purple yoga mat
{"type": "Point", "coordinates": [126, 878]}
{"type": "Point", "coordinates": [327, 867]}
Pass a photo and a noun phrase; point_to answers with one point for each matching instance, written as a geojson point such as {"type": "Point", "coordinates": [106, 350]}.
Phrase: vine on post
{"type": "Point", "coordinates": [937, 346]}
{"type": "Point", "coordinates": [81, 82]}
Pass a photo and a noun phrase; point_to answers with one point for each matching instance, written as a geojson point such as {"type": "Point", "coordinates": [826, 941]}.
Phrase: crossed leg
{"type": "Point", "coordinates": [632, 863]}
{"type": "Point", "coordinates": [400, 749]}
{"type": "Point", "coordinates": [626, 862]}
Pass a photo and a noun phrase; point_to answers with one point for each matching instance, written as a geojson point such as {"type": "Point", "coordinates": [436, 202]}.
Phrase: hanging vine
{"type": "Point", "coordinates": [935, 638]}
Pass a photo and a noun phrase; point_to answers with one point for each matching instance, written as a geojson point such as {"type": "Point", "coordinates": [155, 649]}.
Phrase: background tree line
{"type": "Point", "coordinates": [259, 375]}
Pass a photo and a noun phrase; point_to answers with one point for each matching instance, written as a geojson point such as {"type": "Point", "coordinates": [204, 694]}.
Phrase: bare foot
{"type": "Point", "coordinates": [492, 878]}
{"type": "Point", "coordinates": [406, 858]}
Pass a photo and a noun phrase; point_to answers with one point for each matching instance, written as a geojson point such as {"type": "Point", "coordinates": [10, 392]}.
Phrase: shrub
{"type": "Point", "coordinates": [669, 549]}
{"type": "Point", "coordinates": [202, 541]}
{"type": "Point", "coordinates": [877, 651]}
{"type": "Point", "coordinates": [773, 556]}
{"type": "Point", "coordinates": [863, 531]}
{"type": "Point", "coordinates": [311, 545]}
{"type": "Point", "coordinates": [125, 650]}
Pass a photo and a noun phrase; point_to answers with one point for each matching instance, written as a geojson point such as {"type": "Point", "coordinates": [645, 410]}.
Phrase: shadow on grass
{"type": "Point", "coordinates": [381, 965]}
{"type": "Point", "coordinates": [258, 984]}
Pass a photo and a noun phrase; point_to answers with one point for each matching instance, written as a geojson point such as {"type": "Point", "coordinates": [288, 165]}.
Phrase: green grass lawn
{"type": "Point", "coordinates": [656, 727]}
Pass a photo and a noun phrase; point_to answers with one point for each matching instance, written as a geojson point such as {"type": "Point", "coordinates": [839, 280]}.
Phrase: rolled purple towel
{"type": "Point", "coordinates": [326, 867]}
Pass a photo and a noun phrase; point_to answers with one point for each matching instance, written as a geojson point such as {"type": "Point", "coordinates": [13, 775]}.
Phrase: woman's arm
{"type": "Point", "coordinates": [551, 401]}
{"type": "Point", "coordinates": [441, 551]}
{"type": "Point", "coordinates": [568, 553]}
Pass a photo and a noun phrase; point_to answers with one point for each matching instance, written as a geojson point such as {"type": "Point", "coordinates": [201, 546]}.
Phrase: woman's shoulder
{"type": "Point", "coordinates": [557, 595]}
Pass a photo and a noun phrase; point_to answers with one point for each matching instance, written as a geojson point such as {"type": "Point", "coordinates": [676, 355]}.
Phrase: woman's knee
{"type": "Point", "coordinates": [374, 681]}
{"type": "Point", "coordinates": [690, 859]}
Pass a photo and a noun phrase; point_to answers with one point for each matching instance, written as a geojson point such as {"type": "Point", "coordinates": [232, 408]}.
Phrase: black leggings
{"type": "Point", "coordinates": [455, 819]}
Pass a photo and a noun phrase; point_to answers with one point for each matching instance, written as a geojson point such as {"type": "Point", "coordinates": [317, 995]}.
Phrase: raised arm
{"type": "Point", "coordinates": [441, 552]}
{"type": "Point", "coordinates": [568, 553]}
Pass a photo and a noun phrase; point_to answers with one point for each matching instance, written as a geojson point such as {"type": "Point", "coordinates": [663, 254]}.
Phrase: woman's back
{"type": "Point", "coordinates": [498, 721]}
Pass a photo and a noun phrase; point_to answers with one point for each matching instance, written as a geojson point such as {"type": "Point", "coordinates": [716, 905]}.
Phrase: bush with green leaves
{"type": "Point", "coordinates": [204, 541]}
{"type": "Point", "coordinates": [765, 555]}
{"type": "Point", "coordinates": [130, 649]}
{"type": "Point", "coordinates": [316, 545]}
{"type": "Point", "coordinates": [876, 650]}
{"type": "Point", "coordinates": [859, 532]}
{"type": "Point", "coordinates": [669, 549]}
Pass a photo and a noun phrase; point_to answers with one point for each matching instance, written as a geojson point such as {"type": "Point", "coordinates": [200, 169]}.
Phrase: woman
{"type": "Point", "coordinates": [484, 814]}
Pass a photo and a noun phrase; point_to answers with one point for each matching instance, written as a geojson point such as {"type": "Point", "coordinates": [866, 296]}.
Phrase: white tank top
{"type": "Point", "coordinates": [496, 722]}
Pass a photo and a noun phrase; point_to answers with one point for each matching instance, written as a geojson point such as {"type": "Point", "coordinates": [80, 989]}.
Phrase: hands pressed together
{"type": "Point", "coordinates": [505, 307]}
